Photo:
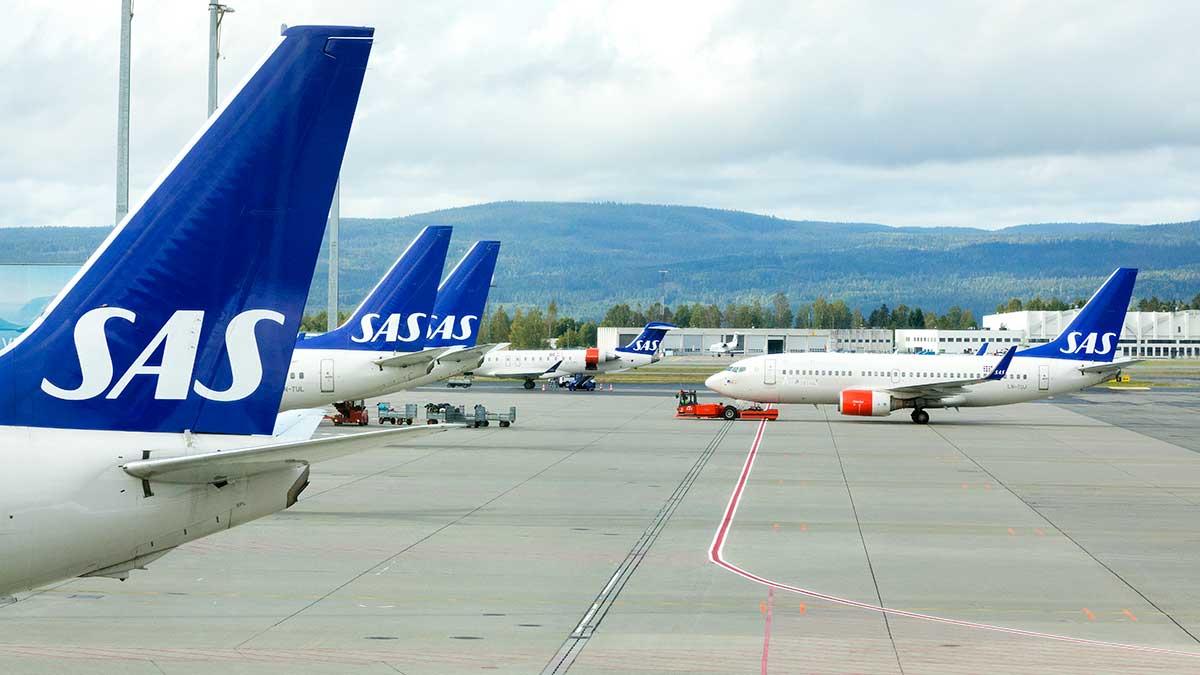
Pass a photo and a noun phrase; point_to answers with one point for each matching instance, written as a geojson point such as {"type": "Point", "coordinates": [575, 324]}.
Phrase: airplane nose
{"type": "Point", "coordinates": [714, 381]}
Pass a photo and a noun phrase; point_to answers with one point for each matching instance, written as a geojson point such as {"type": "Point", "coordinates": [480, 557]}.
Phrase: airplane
{"type": "Point", "coordinates": [366, 357]}
{"type": "Point", "coordinates": [380, 347]}
{"type": "Point", "coordinates": [877, 384]}
{"type": "Point", "coordinates": [724, 348]}
{"type": "Point", "coordinates": [138, 410]}
{"type": "Point", "coordinates": [453, 328]}
{"type": "Point", "coordinates": [533, 364]}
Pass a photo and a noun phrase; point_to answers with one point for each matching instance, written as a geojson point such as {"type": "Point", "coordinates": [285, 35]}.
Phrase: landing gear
{"type": "Point", "coordinates": [919, 416]}
{"type": "Point", "coordinates": [529, 384]}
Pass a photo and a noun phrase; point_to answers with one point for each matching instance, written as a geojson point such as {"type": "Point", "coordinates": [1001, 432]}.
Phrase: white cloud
{"type": "Point", "coordinates": [966, 113]}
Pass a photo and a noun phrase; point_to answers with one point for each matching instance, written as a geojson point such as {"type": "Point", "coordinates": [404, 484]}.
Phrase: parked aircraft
{"type": "Point", "coordinates": [724, 348]}
{"type": "Point", "coordinates": [534, 364]}
{"type": "Point", "coordinates": [454, 326]}
{"type": "Point", "coordinates": [877, 384]}
{"type": "Point", "coordinates": [138, 411]}
{"type": "Point", "coordinates": [381, 347]}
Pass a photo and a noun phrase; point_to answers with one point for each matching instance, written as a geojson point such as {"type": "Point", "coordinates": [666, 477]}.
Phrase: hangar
{"type": "Point", "coordinates": [1154, 335]}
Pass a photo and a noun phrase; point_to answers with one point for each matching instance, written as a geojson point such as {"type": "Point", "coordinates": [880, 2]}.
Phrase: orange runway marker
{"type": "Point", "coordinates": [987, 486]}
{"type": "Point", "coordinates": [1011, 532]}
{"type": "Point", "coordinates": [762, 607]}
{"type": "Point", "coordinates": [1129, 614]}
{"type": "Point", "coordinates": [804, 527]}
{"type": "Point", "coordinates": [803, 608]}
{"type": "Point", "coordinates": [775, 527]}
{"type": "Point", "coordinates": [964, 486]}
{"type": "Point", "coordinates": [1038, 531]}
{"type": "Point", "coordinates": [1089, 614]}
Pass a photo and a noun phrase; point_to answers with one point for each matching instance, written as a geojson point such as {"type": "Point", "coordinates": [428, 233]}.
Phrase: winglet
{"type": "Point", "coordinates": [982, 350]}
{"type": "Point", "coordinates": [1001, 368]}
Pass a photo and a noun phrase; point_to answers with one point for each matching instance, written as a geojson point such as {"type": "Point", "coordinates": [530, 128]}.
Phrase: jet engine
{"type": "Point", "coordinates": [866, 403]}
{"type": "Point", "coordinates": [593, 357]}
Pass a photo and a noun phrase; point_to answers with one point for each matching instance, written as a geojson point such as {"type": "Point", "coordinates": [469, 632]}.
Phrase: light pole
{"type": "Point", "coordinates": [216, 14]}
{"type": "Point", "coordinates": [331, 309]}
{"type": "Point", "coordinates": [123, 113]}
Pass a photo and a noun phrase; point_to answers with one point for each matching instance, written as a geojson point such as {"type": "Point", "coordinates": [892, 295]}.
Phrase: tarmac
{"type": "Point", "coordinates": [1057, 536]}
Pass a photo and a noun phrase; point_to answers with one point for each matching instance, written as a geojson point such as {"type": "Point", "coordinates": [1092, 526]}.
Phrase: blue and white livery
{"type": "Point", "coordinates": [578, 365]}
{"type": "Point", "coordinates": [138, 412]}
{"type": "Point", "coordinates": [876, 384]}
{"type": "Point", "coordinates": [407, 332]}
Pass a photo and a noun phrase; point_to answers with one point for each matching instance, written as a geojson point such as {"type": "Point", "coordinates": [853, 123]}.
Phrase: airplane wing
{"type": "Point", "coordinates": [425, 357]}
{"type": "Point", "coordinates": [226, 465]}
{"type": "Point", "coordinates": [940, 388]}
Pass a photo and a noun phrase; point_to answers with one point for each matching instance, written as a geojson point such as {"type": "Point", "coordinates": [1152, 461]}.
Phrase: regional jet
{"type": "Point", "coordinates": [138, 411]}
{"type": "Point", "coordinates": [877, 384]}
{"type": "Point", "coordinates": [534, 364]}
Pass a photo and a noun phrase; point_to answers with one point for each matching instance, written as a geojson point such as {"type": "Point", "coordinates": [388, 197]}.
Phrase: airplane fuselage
{"type": "Point", "coordinates": [534, 363]}
{"type": "Point", "coordinates": [71, 488]}
{"type": "Point", "coordinates": [318, 377]}
{"type": "Point", "coordinates": [821, 377]}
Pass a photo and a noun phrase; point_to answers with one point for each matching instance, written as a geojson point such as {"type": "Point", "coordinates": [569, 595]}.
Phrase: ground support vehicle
{"type": "Point", "coordinates": [396, 416]}
{"type": "Point", "coordinates": [349, 412]}
{"type": "Point", "coordinates": [690, 408]}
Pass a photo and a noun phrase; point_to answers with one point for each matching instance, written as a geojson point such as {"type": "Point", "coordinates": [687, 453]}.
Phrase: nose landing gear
{"type": "Point", "coordinates": [919, 416]}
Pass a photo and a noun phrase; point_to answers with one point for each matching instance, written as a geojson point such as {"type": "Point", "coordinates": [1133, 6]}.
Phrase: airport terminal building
{"type": "Point", "coordinates": [751, 341]}
{"type": "Point", "coordinates": [1153, 335]}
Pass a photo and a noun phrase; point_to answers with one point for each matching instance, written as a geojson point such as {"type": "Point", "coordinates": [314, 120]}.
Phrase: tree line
{"type": "Point", "coordinates": [1150, 304]}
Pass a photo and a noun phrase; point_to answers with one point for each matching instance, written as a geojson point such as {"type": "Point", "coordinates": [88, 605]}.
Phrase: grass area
{"type": "Point", "coordinates": [665, 373]}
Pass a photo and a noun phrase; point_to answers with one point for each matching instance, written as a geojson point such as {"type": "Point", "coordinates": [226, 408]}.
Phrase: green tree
{"type": "Point", "coordinates": [682, 316]}
{"type": "Point", "coordinates": [587, 334]}
{"type": "Point", "coordinates": [496, 326]}
{"type": "Point", "coordinates": [618, 315]}
{"type": "Point", "coordinates": [781, 311]}
{"type": "Point", "coordinates": [528, 330]}
{"type": "Point", "coordinates": [551, 318]}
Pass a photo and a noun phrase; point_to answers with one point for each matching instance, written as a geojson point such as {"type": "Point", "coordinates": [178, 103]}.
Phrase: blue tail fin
{"type": "Point", "coordinates": [1095, 331]}
{"type": "Point", "coordinates": [185, 317]}
{"type": "Point", "coordinates": [461, 297]}
{"type": "Point", "coordinates": [648, 341]}
{"type": "Point", "coordinates": [395, 314]}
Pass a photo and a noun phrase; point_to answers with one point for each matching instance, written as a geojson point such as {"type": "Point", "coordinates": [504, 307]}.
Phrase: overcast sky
{"type": "Point", "coordinates": [978, 113]}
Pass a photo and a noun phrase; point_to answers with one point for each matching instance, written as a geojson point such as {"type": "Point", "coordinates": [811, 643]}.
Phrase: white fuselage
{"type": "Point", "coordinates": [821, 377]}
{"type": "Point", "coordinates": [67, 509]}
{"type": "Point", "coordinates": [319, 377]}
{"type": "Point", "coordinates": [533, 363]}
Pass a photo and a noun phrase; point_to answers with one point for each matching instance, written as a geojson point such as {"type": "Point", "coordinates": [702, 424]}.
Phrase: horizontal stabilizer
{"type": "Point", "coordinates": [227, 465]}
{"type": "Point", "coordinates": [473, 355]}
{"type": "Point", "coordinates": [424, 357]}
{"type": "Point", "coordinates": [1111, 366]}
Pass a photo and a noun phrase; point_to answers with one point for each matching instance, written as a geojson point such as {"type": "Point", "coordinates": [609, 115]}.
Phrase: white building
{"type": "Point", "coordinates": [1162, 335]}
{"type": "Point", "coordinates": [939, 341]}
{"type": "Point", "coordinates": [752, 341]}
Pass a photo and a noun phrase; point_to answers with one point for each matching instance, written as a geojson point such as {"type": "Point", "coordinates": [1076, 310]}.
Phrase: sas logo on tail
{"type": "Point", "coordinates": [1088, 346]}
{"type": "Point", "coordinates": [401, 328]}
{"type": "Point", "coordinates": [445, 327]}
{"type": "Point", "coordinates": [178, 340]}
{"type": "Point", "coordinates": [645, 345]}
{"type": "Point", "coordinates": [390, 330]}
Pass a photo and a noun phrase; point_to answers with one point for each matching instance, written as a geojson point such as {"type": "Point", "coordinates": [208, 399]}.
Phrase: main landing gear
{"type": "Point", "coordinates": [919, 416]}
{"type": "Point", "coordinates": [529, 384]}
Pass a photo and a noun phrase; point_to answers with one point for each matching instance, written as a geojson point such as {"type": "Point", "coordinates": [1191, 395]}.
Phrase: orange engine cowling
{"type": "Point", "coordinates": [591, 357]}
{"type": "Point", "coordinates": [865, 402]}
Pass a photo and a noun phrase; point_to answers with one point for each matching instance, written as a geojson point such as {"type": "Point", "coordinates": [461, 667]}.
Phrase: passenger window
{"type": "Point", "coordinates": [291, 376]}
{"type": "Point", "coordinates": [302, 374]}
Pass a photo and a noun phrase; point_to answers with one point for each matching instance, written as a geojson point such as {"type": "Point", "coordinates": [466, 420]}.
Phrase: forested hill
{"type": "Point", "coordinates": [589, 256]}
